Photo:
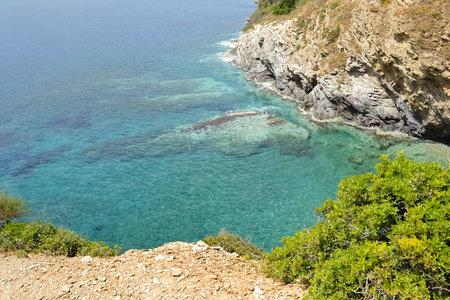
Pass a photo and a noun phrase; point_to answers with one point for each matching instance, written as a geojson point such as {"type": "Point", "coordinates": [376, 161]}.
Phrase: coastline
{"type": "Point", "coordinates": [270, 87]}
{"type": "Point", "coordinates": [394, 87]}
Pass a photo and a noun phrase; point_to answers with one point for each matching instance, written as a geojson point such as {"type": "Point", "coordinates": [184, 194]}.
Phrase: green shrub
{"type": "Point", "coordinates": [333, 35]}
{"type": "Point", "coordinates": [322, 15]}
{"type": "Point", "coordinates": [21, 254]}
{"type": "Point", "coordinates": [39, 237]}
{"type": "Point", "coordinates": [386, 236]}
{"type": "Point", "coordinates": [10, 208]}
{"type": "Point", "coordinates": [284, 7]}
{"type": "Point", "coordinates": [236, 244]}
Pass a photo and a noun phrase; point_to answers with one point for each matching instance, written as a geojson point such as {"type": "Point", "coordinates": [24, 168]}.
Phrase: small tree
{"type": "Point", "coordinates": [10, 208]}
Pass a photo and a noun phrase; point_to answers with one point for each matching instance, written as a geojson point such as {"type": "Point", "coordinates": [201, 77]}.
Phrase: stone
{"type": "Point", "coordinates": [177, 272]}
{"type": "Point", "coordinates": [86, 259]}
{"type": "Point", "coordinates": [355, 160]}
{"type": "Point", "coordinates": [257, 291]}
{"type": "Point", "coordinates": [384, 145]}
{"type": "Point", "coordinates": [200, 246]}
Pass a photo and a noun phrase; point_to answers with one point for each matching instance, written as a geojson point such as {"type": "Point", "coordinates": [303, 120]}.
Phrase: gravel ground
{"type": "Point", "coordinates": [173, 271]}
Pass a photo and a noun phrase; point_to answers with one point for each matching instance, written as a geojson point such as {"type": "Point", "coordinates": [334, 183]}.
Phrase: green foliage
{"type": "Point", "coordinates": [284, 7]}
{"type": "Point", "coordinates": [304, 23]}
{"type": "Point", "coordinates": [322, 15]}
{"type": "Point", "coordinates": [334, 5]}
{"type": "Point", "coordinates": [10, 208]}
{"type": "Point", "coordinates": [386, 236]}
{"type": "Point", "coordinates": [39, 237]}
{"type": "Point", "coordinates": [236, 244]}
{"type": "Point", "coordinates": [332, 36]}
{"type": "Point", "coordinates": [21, 254]}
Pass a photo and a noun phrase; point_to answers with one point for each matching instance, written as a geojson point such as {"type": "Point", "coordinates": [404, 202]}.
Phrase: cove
{"type": "Point", "coordinates": [106, 116]}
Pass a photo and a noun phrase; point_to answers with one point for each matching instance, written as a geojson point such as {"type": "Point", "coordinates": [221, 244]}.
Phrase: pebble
{"type": "Point", "coordinates": [86, 259]}
{"type": "Point", "coordinates": [258, 291]}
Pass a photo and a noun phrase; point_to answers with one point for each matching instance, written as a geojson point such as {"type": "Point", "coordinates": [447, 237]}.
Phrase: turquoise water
{"type": "Point", "coordinates": [98, 99]}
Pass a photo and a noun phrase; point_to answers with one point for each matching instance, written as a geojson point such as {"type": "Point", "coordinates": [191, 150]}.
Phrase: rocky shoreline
{"type": "Point", "coordinates": [370, 73]}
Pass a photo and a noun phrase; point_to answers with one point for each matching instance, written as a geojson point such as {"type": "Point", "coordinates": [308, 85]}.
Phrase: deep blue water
{"type": "Point", "coordinates": [92, 98]}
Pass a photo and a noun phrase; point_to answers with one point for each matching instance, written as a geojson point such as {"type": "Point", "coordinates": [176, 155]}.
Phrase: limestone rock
{"type": "Point", "coordinates": [177, 272]}
{"type": "Point", "coordinates": [200, 246]}
{"type": "Point", "coordinates": [86, 259]}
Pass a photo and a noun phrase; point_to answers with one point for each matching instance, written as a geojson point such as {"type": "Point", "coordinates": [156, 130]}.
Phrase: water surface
{"type": "Point", "coordinates": [96, 100]}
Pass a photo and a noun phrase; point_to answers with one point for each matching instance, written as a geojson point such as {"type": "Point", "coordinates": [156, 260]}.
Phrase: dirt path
{"type": "Point", "coordinates": [173, 271]}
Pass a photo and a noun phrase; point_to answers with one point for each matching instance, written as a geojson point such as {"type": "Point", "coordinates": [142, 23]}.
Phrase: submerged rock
{"type": "Point", "coordinates": [237, 134]}
{"type": "Point", "coordinates": [355, 160]}
{"type": "Point", "coordinates": [384, 145]}
{"type": "Point", "coordinates": [42, 158]}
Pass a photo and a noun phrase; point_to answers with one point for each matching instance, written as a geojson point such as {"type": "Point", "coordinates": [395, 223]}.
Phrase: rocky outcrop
{"type": "Point", "coordinates": [173, 271]}
{"type": "Point", "coordinates": [368, 64]}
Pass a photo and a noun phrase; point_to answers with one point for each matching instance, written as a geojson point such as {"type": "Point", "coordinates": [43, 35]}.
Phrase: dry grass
{"type": "Point", "coordinates": [427, 24]}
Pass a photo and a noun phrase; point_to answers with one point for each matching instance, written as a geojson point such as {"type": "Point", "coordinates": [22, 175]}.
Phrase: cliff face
{"type": "Point", "coordinates": [370, 64]}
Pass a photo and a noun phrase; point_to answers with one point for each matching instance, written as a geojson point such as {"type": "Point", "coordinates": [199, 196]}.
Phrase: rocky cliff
{"type": "Point", "coordinates": [371, 63]}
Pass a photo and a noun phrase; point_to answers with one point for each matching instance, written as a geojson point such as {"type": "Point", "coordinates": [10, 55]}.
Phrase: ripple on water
{"type": "Point", "coordinates": [106, 140]}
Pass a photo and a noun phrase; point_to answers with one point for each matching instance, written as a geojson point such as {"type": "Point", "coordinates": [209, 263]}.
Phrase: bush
{"type": "Point", "coordinates": [284, 7]}
{"type": "Point", "coordinates": [236, 244]}
{"type": "Point", "coordinates": [386, 236]}
{"type": "Point", "coordinates": [10, 208]}
{"type": "Point", "coordinates": [39, 237]}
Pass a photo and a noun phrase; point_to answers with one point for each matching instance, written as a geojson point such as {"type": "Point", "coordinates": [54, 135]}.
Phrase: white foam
{"type": "Point", "coordinates": [263, 86]}
{"type": "Point", "coordinates": [230, 43]}
{"type": "Point", "coordinates": [224, 57]}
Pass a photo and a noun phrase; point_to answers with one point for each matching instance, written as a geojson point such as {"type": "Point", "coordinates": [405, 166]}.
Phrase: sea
{"type": "Point", "coordinates": [97, 104]}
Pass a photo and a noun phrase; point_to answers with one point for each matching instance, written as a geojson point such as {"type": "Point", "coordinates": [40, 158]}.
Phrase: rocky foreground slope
{"type": "Point", "coordinates": [173, 271]}
{"type": "Point", "coordinates": [372, 63]}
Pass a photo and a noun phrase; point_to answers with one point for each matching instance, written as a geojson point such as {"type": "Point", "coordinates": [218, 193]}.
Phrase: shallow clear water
{"type": "Point", "coordinates": [96, 100]}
